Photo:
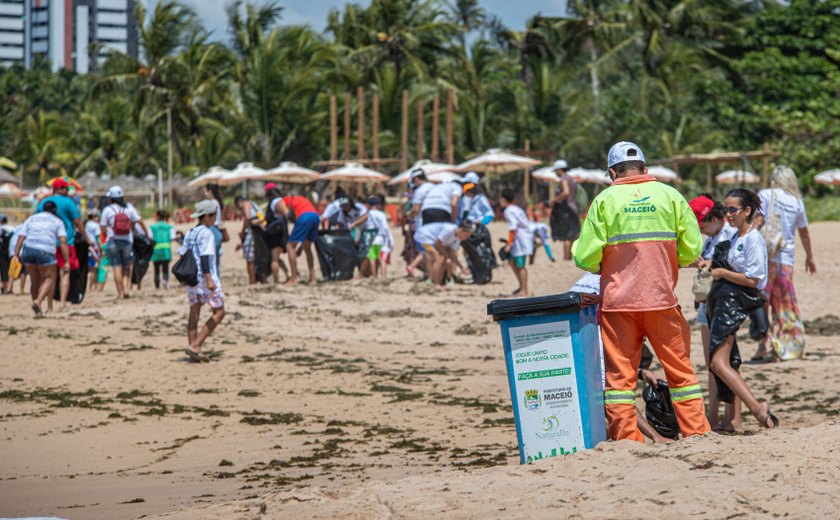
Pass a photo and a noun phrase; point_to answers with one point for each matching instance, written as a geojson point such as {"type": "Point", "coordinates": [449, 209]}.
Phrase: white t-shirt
{"type": "Point", "coordinates": [218, 222]}
{"type": "Point", "coordinates": [588, 284]}
{"type": "Point", "coordinates": [443, 231]}
{"type": "Point", "coordinates": [201, 242]}
{"type": "Point", "coordinates": [41, 231]}
{"type": "Point", "coordinates": [379, 221]}
{"type": "Point", "coordinates": [748, 255]}
{"type": "Point", "coordinates": [417, 199]}
{"type": "Point", "coordinates": [14, 240]}
{"type": "Point", "coordinates": [792, 215]}
{"type": "Point", "coordinates": [440, 196]}
{"type": "Point", "coordinates": [332, 209]}
{"type": "Point", "coordinates": [92, 231]}
{"type": "Point", "coordinates": [107, 220]}
{"type": "Point", "coordinates": [709, 244]}
{"type": "Point", "coordinates": [517, 220]}
{"type": "Point", "coordinates": [345, 219]}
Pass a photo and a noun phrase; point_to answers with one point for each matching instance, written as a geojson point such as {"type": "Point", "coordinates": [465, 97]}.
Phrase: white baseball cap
{"type": "Point", "coordinates": [115, 192]}
{"type": "Point", "coordinates": [624, 151]}
{"type": "Point", "coordinates": [560, 164]}
{"type": "Point", "coordinates": [472, 177]}
{"type": "Point", "coordinates": [204, 207]}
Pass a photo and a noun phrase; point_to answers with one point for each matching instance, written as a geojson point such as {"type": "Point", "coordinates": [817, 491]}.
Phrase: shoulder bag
{"type": "Point", "coordinates": [771, 231]}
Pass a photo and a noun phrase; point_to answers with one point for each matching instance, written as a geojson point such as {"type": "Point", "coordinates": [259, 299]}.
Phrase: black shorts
{"type": "Point", "coordinates": [432, 216]}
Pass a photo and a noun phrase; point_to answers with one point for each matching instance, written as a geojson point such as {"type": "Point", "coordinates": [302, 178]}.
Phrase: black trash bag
{"type": "Point", "coordinates": [480, 257]}
{"type": "Point", "coordinates": [337, 254]}
{"type": "Point", "coordinates": [564, 221]}
{"type": "Point", "coordinates": [78, 278]}
{"type": "Point", "coordinates": [659, 410]}
{"type": "Point", "coordinates": [144, 247]}
{"type": "Point", "coordinates": [276, 233]}
{"type": "Point", "coordinates": [504, 256]}
{"type": "Point", "coordinates": [262, 255]}
{"type": "Point", "coordinates": [728, 305]}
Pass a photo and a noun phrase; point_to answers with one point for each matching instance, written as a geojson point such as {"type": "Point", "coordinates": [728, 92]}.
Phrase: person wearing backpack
{"type": "Point", "coordinates": [201, 243]}
{"type": "Point", "coordinates": [276, 232]}
{"type": "Point", "coordinates": [118, 219]}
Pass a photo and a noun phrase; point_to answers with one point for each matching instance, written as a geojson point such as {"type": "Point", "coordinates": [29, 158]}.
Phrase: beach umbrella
{"type": "Point", "coordinates": [662, 173]}
{"type": "Point", "coordinates": [497, 161]}
{"type": "Point", "coordinates": [211, 176]}
{"type": "Point", "coordinates": [243, 172]}
{"type": "Point", "coordinates": [7, 176]}
{"type": "Point", "coordinates": [10, 191]}
{"type": "Point", "coordinates": [546, 174]}
{"type": "Point", "coordinates": [354, 172]}
{"type": "Point", "coordinates": [593, 176]}
{"type": "Point", "coordinates": [444, 177]}
{"type": "Point", "coordinates": [737, 177]}
{"type": "Point", "coordinates": [70, 180]}
{"type": "Point", "coordinates": [830, 177]}
{"type": "Point", "coordinates": [5, 162]}
{"type": "Point", "coordinates": [291, 173]}
{"type": "Point", "coordinates": [428, 167]}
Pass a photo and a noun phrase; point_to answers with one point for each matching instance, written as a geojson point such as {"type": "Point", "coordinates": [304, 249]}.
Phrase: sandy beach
{"type": "Point", "coordinates": [372, 399]}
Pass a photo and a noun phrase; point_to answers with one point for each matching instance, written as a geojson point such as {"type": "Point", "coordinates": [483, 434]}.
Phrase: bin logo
{"type": "Point", "coordinates": [532, 399]}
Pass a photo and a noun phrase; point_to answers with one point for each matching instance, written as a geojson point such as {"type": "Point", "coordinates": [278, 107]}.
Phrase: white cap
{"type": "Point", "coordinates": [624, 151]}
{"type": "Point", "coordinates": [560, 164]}
{"type": "Point", "coordinates": [472, 177]}
{"type": "Point", "coordinates": [204, 207]}
{"type": "Point", "coordinates": [416, 172]}
{"type": "Point", "coordinates": [115, 192]}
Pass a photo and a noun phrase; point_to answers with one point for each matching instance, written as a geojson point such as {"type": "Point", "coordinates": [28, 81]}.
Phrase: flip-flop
{"type": "Point", "coordinates": [773, 419]}
{"type": "Point", "coordinates": [37, 310]}
{"type": "Point", "coordinates": [196, 357]}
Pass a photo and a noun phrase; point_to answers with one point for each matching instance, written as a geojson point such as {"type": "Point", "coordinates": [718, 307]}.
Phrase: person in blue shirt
{"type": "Point", "coordinates": [68, 212]}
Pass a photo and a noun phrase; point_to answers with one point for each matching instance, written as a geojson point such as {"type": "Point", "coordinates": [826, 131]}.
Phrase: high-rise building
{"type": "Point", "coordinates": [64, 31]}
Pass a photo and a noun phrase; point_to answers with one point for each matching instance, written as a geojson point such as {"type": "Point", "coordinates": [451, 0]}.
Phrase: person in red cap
{"type": "Point", "coordinates": [69, 213]}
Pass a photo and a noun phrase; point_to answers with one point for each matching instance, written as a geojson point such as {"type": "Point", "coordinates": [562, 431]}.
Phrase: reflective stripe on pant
{"type": "Point", "coordinates": [670, 337]}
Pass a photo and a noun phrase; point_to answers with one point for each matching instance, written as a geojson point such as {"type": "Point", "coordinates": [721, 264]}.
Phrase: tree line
{"type": "Point", "coordinates": [675, 76]}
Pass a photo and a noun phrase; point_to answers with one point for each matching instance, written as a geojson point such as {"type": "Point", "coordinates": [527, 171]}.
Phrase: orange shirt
{"type": "Point", "coordinates": [299, 204]}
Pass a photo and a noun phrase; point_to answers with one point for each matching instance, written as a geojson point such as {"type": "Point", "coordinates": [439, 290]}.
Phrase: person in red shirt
{"type": "Point", "coordinates": [298, 210]}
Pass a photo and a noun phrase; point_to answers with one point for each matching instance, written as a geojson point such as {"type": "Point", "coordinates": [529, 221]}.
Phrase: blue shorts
{"type": "Point", "coordinates": [29, 255]}
{"type": "Point", "coordinates": [306, 228]}
{"type": "Point", "coordinates": [120, 253]}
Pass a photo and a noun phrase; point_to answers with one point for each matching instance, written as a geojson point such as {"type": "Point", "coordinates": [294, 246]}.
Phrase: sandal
{"type": "Point", "coordinates": [37, 310]}
{"type": "Point", "coordinates": [196, 357]}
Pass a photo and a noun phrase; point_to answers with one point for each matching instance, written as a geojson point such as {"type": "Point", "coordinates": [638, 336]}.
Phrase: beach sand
{"type": "Point", "coordinates": [372, 399]}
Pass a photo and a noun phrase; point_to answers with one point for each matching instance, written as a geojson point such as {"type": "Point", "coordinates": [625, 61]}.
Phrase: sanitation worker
{"type": "Point", "coordinates": [637, 234]}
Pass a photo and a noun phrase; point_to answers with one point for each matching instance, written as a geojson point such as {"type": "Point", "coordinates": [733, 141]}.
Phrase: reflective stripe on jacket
{"type": "Point", "coordinates": [638, 232]}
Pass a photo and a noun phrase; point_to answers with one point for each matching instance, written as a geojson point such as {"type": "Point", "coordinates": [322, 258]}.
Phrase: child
{"type": "Point", "coordinates": [201, 243]}
{"type": "Point", "coordinates": [383, 235]}
{"type": "Point", "coordinates": [520, 242]}
{"type": "Point", "coordinates": [540, 231]}
{"type": "Point", "coordinates": [92, 231]}
{"type": "Point", "coordinates": [162, 233]}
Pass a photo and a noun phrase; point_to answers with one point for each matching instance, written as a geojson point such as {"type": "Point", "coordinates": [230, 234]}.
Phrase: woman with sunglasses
{"type": "Point", "coordinates": [739, 268]}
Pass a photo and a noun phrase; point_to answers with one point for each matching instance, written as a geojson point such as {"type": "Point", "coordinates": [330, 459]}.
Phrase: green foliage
{"type": "Point", "coordinates": [675, 76]}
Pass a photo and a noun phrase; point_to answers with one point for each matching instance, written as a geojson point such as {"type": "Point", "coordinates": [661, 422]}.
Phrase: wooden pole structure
{"type": "Point", "coordinates": [450, 108]}
{"type": "Point", "coordinates": [346, 154]}
{"type": "Point", "coordinates": [404, 143]}
{"type": "Point", "coordinates": [333, 128]}
{"type": "Point", "coordinates": [765, 165]}
{"type": "Point", "coordinates": [436, 128]}
{"type": "Point", "coordinates": [169, 153]}
{"type": "Point", "coordinates": [527, 177]}
{"type": "Point", "coordinates": [376, 126]}
{"type": "Point", "coordinates": [360, 119]}
{"type": "Point", "coordinates": [420, 134]}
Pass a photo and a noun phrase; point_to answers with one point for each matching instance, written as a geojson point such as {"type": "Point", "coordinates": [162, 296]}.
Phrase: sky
{"type": "Point", "coordinates": [314, 12]}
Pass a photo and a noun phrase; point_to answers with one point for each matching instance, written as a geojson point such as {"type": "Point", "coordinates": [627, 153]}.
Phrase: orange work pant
{"type": "Point", "coordinates": [669, 335]}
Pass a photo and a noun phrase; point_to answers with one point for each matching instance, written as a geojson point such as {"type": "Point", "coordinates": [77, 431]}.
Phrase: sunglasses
{"type": "Point", "coordinates": [733, 209]}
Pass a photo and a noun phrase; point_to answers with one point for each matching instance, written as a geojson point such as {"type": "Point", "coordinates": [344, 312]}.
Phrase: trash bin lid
{"type": "Point", "coordinates": [551, 304]}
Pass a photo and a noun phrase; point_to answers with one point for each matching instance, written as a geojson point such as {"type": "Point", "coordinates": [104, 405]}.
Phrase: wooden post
{"type": "Point", "coordinates": [360, 119]}
{"type": "Point", "coordinates": [450, 108]}
{"type": "Point", "coordinates": [333, 128]}
{"type": "Point", "coordinates": [346, 153]}
{"type": "Point", "coordinates": [708, 177]}
{"type": "Point", "coordinates": [765, 165]}
{"type": "Point", "coordinates": [169, 155]}
{"type": "Point", "coordinates": [420, 136]}
{"type": "Point", "coordinates": [527, 177]}
{"type": "Point", "coordinates": [436, 128]}
{"type": "Point", "coordinates": [404, 143]}
{"type": "Point", "coordinates": [376, 126]}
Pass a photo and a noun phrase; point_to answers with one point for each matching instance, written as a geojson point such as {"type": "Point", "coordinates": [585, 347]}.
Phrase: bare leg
{"type": "Point", "coordinates": [252, 273]}
{"type": "Point", "coordinates": [275, 264]}
{"type": "Point", "coordinates": [414, 264]}
{"type": "Point", "coordinates": [523, 281]}
{"type": "Point", "coordinates": [567, 250]}
{"type": "Point", "coordinates": [649, 431]}
{"type": "Point", "coordinates": [35, 284]}
{"type": "Point", "coordinates": [47, 274]}
{"type": "Point", "coordinates": [64, 289]}
{"type": "Point", "coordinates": [293, 280]}
{"type": "Point", "coordinates": [23, 283]}
{"type": "Point", "coordinates": [713, 413]}
{"type": "Point", "coordinates": [310, 261]}
{"type": "Point", "coordinates": [208, 328]}
{"type": "Point", "coordinates": [118, 281]}
{"type": "Point", "coordinates": [733, 379]}
{"type": "Point", "coordinates": [192, 323]}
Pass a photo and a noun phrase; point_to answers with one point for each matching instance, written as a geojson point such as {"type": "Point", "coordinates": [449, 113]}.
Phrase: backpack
{"type": "Point", "coordinates": [122, 223]}
{"type": "Point", "coordinates": [185, 270]}
{"type": "Point", "coordinates": [275, 225]}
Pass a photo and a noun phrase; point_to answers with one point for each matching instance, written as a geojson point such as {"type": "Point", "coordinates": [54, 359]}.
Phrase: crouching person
{"type": "Point", "coordinates": [201, 243]}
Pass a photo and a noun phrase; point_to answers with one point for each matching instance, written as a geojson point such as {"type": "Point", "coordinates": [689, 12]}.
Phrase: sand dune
{"type": "Point", "coordinates": [367, 400]}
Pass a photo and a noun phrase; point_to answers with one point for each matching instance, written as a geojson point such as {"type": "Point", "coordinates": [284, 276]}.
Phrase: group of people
{"type": "Point", "coordinates": [636, 236]}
